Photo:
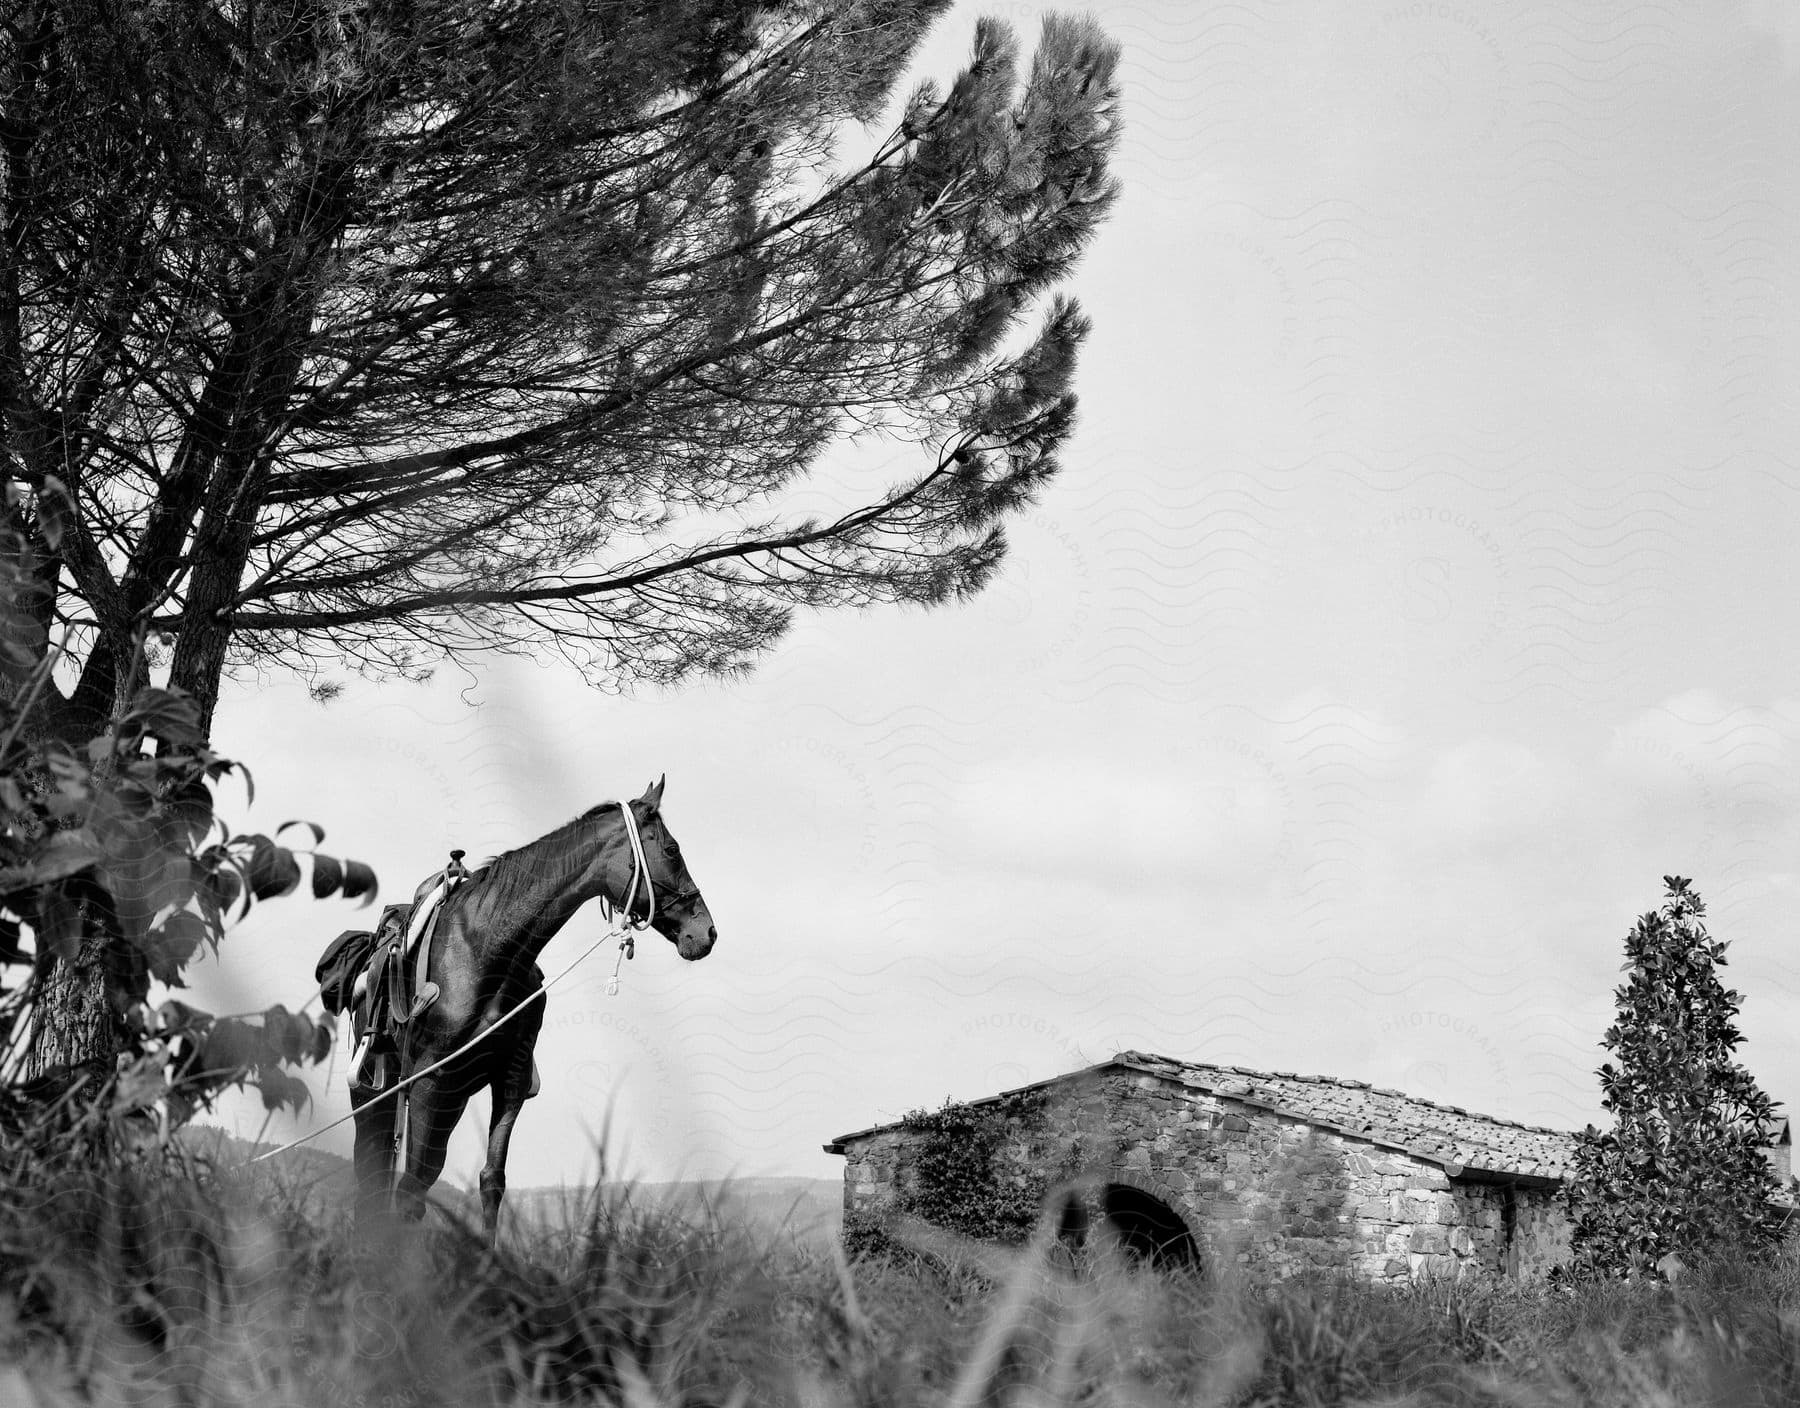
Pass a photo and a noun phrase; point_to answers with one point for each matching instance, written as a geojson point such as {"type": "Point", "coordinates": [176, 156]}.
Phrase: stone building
{"type": "Point", "coordinates": [1278, 1172]}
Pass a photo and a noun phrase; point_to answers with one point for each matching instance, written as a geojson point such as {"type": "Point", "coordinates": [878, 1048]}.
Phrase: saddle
{"type": "Point", "coordinates": [378, 976]}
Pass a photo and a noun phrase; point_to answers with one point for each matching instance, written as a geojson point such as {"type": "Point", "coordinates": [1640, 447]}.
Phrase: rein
{"type": "Point", "coordinates": [624, 930]}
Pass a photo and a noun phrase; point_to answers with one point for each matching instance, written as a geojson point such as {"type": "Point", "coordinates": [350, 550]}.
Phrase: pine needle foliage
{"type": "Point", "coordinates": [365, 336]}
{"type": "Point", "coordinates": [368, 335]}
{"type": "Point", "coordinates": [1682, 1169]}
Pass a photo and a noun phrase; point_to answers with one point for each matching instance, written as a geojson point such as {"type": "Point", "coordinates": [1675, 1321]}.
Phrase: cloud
{"type": "Point", "coordinates": [1697, 741]}
{"type": "Point", "coordinates": [1486, 791]}
{"type": "Point", "coordinates": [1215, 810]}
{"type": "Point", "coordinates": [1779, 22]}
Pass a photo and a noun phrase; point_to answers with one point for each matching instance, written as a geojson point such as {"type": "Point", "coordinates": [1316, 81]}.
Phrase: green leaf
{"type": "Point", "coordinates": [232, 1048]}
{"type": "Point", "coordinates": [62, 854]}
{"type": "Point", "coordinates": [190, 807]}
{"type": "Point", "coordinates": [167, 715]}
{"type": "Point", "coordinates": [216, 880]}
{"type": "Point", "coordinates": [327, 876]}
{"type": "Point", "coordinates": [172, 943]}
{"type": "Point", "coordinates": [318, 832]}
{"type": "Point", "coordinates": [271, 870]}
{"type": "Point", "coordinates": [289, 1034]}
{"type": "Point", "coordinates": [359, 882]}
{"type": "Point", "coordinates": [279, 1088]}
{"type": "Point", "coordinates": [175, 1016]}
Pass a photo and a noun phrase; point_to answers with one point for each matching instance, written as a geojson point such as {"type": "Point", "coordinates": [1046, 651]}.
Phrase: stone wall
{"type": "Point", "coordinates": [1541, 1237]}
{"type": "Point", "coordinates": [1274, 1195]}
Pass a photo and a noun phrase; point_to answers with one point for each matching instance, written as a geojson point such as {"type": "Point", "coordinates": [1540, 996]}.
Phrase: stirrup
{"type": "Point", "coordinates": [359, 1062]}
{"type": "Point", "coordinates": [428, 994]}
{"type": "Point", "coordinates": [369, 1071]}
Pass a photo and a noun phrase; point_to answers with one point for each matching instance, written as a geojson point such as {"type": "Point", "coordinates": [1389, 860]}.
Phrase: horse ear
{"type": "Point", "coordinates": [653, 794]}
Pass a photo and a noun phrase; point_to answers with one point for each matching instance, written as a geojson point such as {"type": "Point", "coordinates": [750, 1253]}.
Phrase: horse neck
{"type": "Point", "coordinates": [536, 913]}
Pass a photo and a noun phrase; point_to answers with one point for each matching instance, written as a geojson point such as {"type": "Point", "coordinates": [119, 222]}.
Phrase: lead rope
{"type": "Point", "coordinates": [639, 866]}
{"type": "Point", "coordinates": [402, 1128]}
{"type": "Point", "coordinates": [627, 949]}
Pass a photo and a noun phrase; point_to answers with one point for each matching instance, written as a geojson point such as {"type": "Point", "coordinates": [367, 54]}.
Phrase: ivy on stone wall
{"type": "Point", "coordinates": [962, 1180]}
{"type": "Point", "coordinates": [980, 1171]}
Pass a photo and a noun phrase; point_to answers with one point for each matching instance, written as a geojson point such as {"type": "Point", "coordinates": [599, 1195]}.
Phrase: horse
{"type": "Point", "coordinates": [490, 930]}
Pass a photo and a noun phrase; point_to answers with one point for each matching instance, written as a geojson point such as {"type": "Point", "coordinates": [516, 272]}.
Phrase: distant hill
{"type": "Point", "coordinates": [305, 1164]}
{"type": "Point", "coordinates": [322, 1182]}
{"type": "Point", "coordinates": [809, 1209]}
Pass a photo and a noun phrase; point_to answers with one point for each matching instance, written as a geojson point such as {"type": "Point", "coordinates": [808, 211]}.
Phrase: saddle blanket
{"type": "Point", "coordinates": [378, 976]}
{"type": "Point", "coordinates": [348, 959]}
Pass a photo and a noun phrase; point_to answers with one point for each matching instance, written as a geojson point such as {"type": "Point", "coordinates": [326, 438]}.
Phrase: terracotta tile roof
{"type": "Point", "coordinates": [1448, 1135]}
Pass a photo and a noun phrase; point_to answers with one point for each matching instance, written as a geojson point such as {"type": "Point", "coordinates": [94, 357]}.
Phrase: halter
{"type": "Point", "coordinates": [640, 869]}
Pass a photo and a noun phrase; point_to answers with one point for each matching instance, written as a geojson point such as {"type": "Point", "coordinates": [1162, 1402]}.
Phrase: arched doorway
{"type": "Point", "coordinates": [1146, 1227]}
{"type": "Point", "coordinates": [1149, 1229]}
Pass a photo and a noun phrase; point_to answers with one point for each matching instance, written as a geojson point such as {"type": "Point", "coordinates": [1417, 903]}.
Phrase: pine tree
{"type": "Point", "coordinates": [1682, 1169]}
{"type": "Point", "coordinates": [366, 336]}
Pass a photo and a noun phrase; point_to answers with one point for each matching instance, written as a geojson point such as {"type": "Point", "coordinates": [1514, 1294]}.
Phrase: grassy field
{"type": "Point", "coordinates": [168, 1286]}
{"type": "Point", "coordinates": [811, 1210]}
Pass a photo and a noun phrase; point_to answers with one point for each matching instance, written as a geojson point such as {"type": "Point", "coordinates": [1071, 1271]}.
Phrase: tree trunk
{"type": "Point", "coordinates": [75, 1029]}
{"type": "Point", "coordinates": [198, 665]}
{"type": "Point", "coordinates": [76, 1026]}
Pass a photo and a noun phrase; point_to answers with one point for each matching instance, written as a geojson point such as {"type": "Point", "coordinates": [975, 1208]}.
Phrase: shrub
{"type": "Point", "coordinates": [965, 1170]}
{"type": "Point", "coordinates": [116, 849]}
{"type": "Point", "coordinates": [1682, 1168]}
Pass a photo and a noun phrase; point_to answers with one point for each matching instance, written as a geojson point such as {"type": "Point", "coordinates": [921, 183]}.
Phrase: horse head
{"type": "Point", "coordinates": [681, 913]}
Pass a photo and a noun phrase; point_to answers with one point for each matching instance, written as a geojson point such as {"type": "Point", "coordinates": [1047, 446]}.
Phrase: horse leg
{"type": "Point", "coordinates": [511, 1088]}
{"type": "Point", "coordinates": [374, 1149]}
{"type": "Point", "coordinates": [434, 1108]}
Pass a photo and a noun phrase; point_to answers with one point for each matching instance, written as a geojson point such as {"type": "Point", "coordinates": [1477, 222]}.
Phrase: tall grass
{"type": "Point", "coordinates": [161, 1283]}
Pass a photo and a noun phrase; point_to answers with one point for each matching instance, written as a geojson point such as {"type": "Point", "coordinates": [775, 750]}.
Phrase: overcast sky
{"type": "Point", "coordinates": [1418, 591]}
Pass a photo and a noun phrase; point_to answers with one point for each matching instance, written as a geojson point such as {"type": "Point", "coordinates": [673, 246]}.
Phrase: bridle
{"type": "Point", "coordinates": [640, 874]}
{"type": "Point", "coordinates": [640, 871]}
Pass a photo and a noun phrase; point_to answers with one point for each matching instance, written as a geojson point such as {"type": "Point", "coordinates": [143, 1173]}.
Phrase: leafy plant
{"type": "Point", "coordinates": [115, 851]}
{"type": "Point", "coordinates": [1682, 1169]}
{"type": "Point", "coordinates": [962, 1178]}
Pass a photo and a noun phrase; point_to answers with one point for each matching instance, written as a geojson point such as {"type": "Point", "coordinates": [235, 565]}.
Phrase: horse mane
{"type": "Point", "coordinates": [512, 873]}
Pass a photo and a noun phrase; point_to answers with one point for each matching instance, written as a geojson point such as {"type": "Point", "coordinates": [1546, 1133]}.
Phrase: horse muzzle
{"type": "Point", "coordinates": [695, 941]}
